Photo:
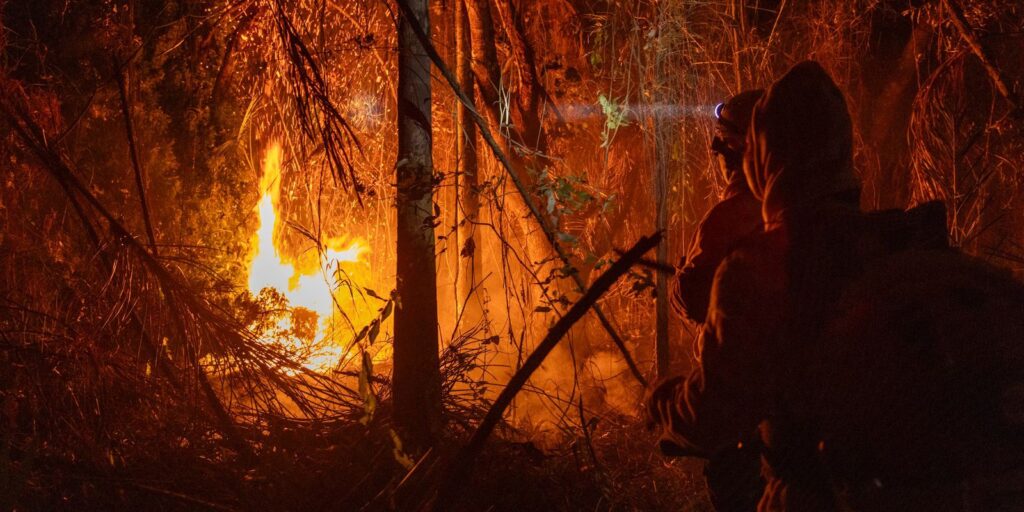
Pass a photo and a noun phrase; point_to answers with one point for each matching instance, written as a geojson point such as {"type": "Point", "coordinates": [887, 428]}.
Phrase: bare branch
{"type": "Point", "coordinates": [997, 77]}
{"type": "Point", "coordinates": [462, 464]}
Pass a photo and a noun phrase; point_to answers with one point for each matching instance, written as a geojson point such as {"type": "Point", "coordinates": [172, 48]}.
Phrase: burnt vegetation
{"type": "Point", "coordinates": [516, 149]}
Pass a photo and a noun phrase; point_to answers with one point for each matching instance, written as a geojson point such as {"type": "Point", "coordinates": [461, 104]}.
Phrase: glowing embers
{"type": "Point", "coordinates": [312, 303]}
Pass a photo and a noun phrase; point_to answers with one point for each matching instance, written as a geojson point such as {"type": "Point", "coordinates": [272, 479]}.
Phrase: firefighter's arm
{"type": "Point", "coordinates": [691, 288]}
{"type": "Point", "coordinates": [725, 397]}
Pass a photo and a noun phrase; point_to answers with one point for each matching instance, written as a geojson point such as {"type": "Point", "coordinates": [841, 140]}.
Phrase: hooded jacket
{"type": "Point", "coordinates": [729, 393]}
{"type": "Point", "coordinates": [800, 143]}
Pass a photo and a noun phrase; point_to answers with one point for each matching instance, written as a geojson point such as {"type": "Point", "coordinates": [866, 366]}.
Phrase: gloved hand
{"type": "Point", "coordinates": [659, 402]}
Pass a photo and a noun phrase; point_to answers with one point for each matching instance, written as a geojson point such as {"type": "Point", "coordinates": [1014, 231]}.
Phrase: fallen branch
{"type": "Point", "coordinates": [656, 266]}
{"type": "Point", "coordinates": [183, 497]}
{"type": "Point", "coordinates": [213, 401]}
{"type": "Point", "coordinates": [462, 464]}
{"type": "Point", "coordinates": [488, 137]}
{"type": "Point", "coordinates": [967, 33]}
{"type": "Point", "coordinates": [133, 152]}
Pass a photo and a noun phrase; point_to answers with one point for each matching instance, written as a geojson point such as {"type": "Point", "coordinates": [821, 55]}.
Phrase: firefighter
{"type": "Point", "coordinates": [882, 370]}
{"type": "Point", "coordinates": [736, 216]}
{"type": "Point", "coordinates": [733, 474]}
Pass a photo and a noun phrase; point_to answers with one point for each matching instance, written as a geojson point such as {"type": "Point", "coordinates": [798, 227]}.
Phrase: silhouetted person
{"type": "Point", "coordinates": [735, 217]}
{"type": "Point", "coordinates": [883, 371]}
{"type": "Point", "coordinates": [733, 474]}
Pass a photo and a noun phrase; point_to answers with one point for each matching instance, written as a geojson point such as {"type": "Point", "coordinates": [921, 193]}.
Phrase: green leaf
{"type": "Point", "coordinates": [614, 113]}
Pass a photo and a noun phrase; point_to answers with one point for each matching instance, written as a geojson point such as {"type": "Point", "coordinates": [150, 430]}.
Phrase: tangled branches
{"type": "Point", "coordinates": [318, 117]}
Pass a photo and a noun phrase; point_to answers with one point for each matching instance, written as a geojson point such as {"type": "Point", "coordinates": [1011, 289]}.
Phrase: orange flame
{"type": "Point", "coordinates": [305, 286]}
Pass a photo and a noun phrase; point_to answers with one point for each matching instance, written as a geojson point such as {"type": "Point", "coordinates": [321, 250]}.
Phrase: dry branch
{"type": "Point", "coordinates": [227, 424]}
{"type": "Point", "coordinates": [318, 117]}
{"type": "Point", "coordinates": [462, 464]}
{"type": "Point", "coordinates": [133, 152]}
{"type": "Point", "coordinates": [967, 33]}
{"type": "Point", "coordinates": [193, 500]}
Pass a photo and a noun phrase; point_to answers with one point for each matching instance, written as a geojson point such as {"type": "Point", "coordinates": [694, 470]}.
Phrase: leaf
{"type": "Point", "coordinates": [366, 389]}
{"type": "Point", "coordinates": [372, 293]}
{"type": "Point", "coordinates": [387, 310]}
{"type": "Point", "coordinates": [362, 334]}
{"type": "Point", "coordinates": [608, 203]}
{"type": "Point", "coordinates": [374, 331]}
{"type": "Point", "coordinates": [615, 113]}
{"type": "Point", "coordinates": [541, 309]}
{"type": "Point", "coordinates": [398, 453]}
{"type": "Point", "coordinates": [468, 248]}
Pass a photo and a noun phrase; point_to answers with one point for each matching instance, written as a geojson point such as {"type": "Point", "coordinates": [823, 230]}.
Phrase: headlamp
{"type": "Point", "coordinates": [718, 110]}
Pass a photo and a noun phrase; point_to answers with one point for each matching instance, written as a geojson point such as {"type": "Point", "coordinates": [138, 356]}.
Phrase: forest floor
{"type": "Point", "coordinates": [351, 467]}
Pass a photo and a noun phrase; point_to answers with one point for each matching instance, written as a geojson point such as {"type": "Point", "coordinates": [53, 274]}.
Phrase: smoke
{"type": "Point", "coordinates": [618, 390]}
{"type": "Point", "coordinates": [579, 112]}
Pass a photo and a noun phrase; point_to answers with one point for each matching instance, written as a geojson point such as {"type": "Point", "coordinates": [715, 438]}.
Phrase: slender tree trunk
{"type": "Point", "coordinates": [661, 152]}
{"type": "Point", "coordinates": [484, 66]}
{"type": "Point", "coordinates": [528, 87]}
{"type": "Point", "coordinates": [467, 180]}
{"type": "Point", "coordinates": [416, 381]}
{"type": "Point", "coordinates": [888, 86]}
{"type": "Point", "coordinates": [488, 80]}
{"type": "Point", "coordinates": [519, 128]}
{"type": "Point", "coordinates": [501, 113]}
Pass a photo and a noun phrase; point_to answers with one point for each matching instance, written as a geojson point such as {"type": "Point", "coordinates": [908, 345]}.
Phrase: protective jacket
{"type": "Point", "coordinates": [737, 216]}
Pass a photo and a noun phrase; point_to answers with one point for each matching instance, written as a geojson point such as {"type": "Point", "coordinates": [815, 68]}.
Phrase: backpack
{"type": "Point", "coordinates": [923, 374]}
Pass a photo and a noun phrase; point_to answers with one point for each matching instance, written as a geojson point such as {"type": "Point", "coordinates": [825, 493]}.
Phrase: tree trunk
{"type": "Point", "coordinates": [527, 89]}
{"type": "Point", "coordinates": [466, 177]}
{"type": "Point", "coordinates": [502, 114]}
{"type": "Point", "coordinates": [661, 151]}
{"type": "Point", "coordinates": [519, 135]}
{"type": "Point", "coordinates": [416, 381]}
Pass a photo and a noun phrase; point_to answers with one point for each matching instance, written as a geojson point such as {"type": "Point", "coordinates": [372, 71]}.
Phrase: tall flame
{"type": "Point", "coordinates": [305, 286]}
